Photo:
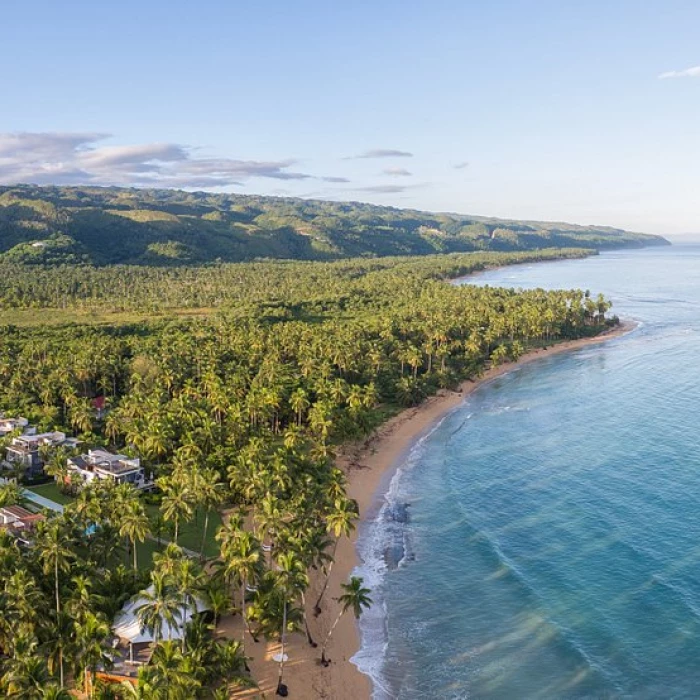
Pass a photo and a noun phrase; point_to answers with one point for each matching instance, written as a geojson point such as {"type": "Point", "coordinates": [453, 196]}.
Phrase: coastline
{"type": "Point", "coordinates": [369, 464]}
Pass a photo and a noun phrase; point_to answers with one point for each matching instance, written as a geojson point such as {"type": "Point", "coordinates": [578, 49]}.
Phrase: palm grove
{"type": "Point", "coordinates": [238, 411]}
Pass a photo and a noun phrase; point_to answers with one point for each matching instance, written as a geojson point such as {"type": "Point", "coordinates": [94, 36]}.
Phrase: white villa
{"type": "Point", "coordinates": [24, 449]}
{"type": "Point", "coordinates": [9, 425]}
{"type": "Point", "coordinates": [100, 464]}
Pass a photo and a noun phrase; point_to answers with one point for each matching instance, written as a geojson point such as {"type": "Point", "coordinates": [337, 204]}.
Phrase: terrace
{"type": "Point", "coordinates": [100, 464]}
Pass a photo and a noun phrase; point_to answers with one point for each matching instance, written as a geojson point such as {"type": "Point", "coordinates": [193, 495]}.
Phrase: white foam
{"type": "Point", "coordinates": [371, 546]}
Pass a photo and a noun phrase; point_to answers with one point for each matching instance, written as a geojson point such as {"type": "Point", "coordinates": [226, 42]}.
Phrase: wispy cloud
{"type": "Point", "coordinates": [462, 165]}
{"type": "Point", "coordinates": [331, 178]}
{"type": "Point", "coordinates": [383, 153]}
{"type": "Point", "coordinates": [77, 158]}
{"type": "Point", "coordinates": [397, 172]}
{"type": "Point", "coordinates": [693, 72]}
{"type": "Point", "coordinates": [383, 189]}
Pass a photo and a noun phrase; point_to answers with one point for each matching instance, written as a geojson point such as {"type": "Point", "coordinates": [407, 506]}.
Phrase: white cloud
{"type": "Point", "coordinates": [693, 72]}
{"type": "Point", "coordinates": [383, 189]}
{"type": "Point", "coordinates": [397, 172]}
{"type": "Point", "coordinates": [382, 153]}
{"type": "Point", "coordinates": [77, 158]}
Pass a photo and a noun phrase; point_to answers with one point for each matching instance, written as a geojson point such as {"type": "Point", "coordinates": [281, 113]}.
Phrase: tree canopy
{"type": "Point", "coordinates": [102, 226]}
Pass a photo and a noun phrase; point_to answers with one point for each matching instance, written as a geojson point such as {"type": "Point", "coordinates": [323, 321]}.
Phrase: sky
{"type": "Point", "coordinates": [554, 110]}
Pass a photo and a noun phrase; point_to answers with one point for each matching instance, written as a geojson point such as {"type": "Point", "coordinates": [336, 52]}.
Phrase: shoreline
{"type": "Point", "coordinates": [369, 465]}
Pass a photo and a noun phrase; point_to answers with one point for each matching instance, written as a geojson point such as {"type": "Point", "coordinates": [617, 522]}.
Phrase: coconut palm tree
{"type": "Point", "coordinates": [26, 673]}
{"type": "Point", "coordinates": [188, 580]}
{"type": "Point", "coordinates": [145, 688]}
{"type": "Point", "coordinates": [159, 605]}
{"type": "Point", "coordinates": [10, 494]}
{"type": "Point", "coordinates": [167, 671]}
{"type": "Point", "coordinates": [57, 465]}
{"type": "Point", "coordinates": [60, 630]}
{"type": "Point", "coordinates": [134, 524]}
{"type": "Point", "coordinates": [55, 558]}
{"type": "Point", "coordinates": [177, 501]}
{"type": "Point", "coordinates": [356, 597]}
{"type": "Point", "coordinates": [55, 692]}
{"type": "Point", "coordinates": [291, 580]}
{"type": "Point", "coordinates": [90, 650]}
{"type": "Point", "coordinates": [82, 415]}
{"type": "Point", "coordinates": [209, 495]}
{"type": "Point", "coordinates": [242, 556]}
{"type": "Point", "coordinates": [218, 597]}
{"type": "Point", "coordinates": [340, 521]}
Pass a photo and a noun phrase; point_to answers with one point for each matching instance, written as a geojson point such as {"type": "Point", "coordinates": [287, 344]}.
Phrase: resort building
{"type": "Point", "coordinates": [100, 464]}
{"type": "Point", "coordinates": [9, 425]}
{"type": "Point", "coordinates": [25, 450]}
{"type": "Point", "coordinates": [19, 522]}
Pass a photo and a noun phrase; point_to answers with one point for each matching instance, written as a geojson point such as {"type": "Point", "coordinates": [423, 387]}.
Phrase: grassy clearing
{"type": "Point", "coordinates": [29, 318]}
{"type": "Point", "coordinates": [51, 492]}
{"type": "Point", "coordinates": [191, 533]}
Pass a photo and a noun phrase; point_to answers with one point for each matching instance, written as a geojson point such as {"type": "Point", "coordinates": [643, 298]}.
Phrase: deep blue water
{"type": "Point", "coordinates": [552, 548]}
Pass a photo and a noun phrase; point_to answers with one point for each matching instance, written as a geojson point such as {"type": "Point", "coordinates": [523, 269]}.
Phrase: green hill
{"type": "Point", "coordinates": [103, 226]}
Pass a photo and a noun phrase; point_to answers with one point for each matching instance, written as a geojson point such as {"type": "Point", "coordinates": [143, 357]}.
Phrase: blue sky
{"type": "Point", "coordinates": [540, 109]}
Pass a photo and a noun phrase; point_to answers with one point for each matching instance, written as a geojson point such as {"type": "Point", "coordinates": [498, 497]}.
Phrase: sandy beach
{"type": "Point", "coordinates": [367, 465]}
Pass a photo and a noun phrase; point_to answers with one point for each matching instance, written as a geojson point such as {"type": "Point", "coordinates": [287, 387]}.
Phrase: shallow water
{"type": "Point", "coordinates": [551, 548]}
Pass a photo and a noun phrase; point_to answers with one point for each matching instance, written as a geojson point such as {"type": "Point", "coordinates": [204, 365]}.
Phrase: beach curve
{"type": "Point", "coordinates": [370, 465]}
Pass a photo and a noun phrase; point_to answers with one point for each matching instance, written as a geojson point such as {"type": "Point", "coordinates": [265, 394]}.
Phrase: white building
{"type": "Point", "coordinates": [100, 464]}
{"type": "Point", "coordinates": [9, 425]}
{"type": "Point", "coordinates": [24, 449]}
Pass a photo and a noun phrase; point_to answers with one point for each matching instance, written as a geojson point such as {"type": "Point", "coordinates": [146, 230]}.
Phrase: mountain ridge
{"type": "Point", "coordinates": [113, 225]}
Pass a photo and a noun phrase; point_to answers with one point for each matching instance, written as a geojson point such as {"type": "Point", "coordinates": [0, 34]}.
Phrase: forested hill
{"type": "Point", "coordinates": [102, 226]}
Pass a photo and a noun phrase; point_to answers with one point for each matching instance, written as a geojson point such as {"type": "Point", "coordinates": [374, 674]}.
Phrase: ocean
{"type": "Point", "coordinates": [543, 539]}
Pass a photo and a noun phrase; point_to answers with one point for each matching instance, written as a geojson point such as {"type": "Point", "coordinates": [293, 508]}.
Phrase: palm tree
{"type": "Point", "coordinates": [188, 579]}
{"type": "Point", "coordinates": [82, 599]}
{"type": "Point", "coordinates": [292, 579]}
{"type": "Point", "coordinates": [60, 629]}
{"type": "Point", "coordinates": [26, 673]}
{"type": "Point", "coordinates": [298, 402]}
{"type": "Point", "coordinates": [167, 671]}
{"type": "Point", "coordinates": [218, 597]}
{"type": "Point", "coordinates": [10, 494]}
{"type": "Point", "coordinates": [82, 415]}
{"type": "Point", "coordinates": [57, 465]}
{"type": "Point", "coordinates": [134, 525]}
{"type": "Point", "coordinates": [55, 692]}
{"type": "Point", "coordinates": [168, 561]}
{"type": "Point", "coordinates": [209, 495]}
{"type": "Point", "coordinates": [146, 688]}
{"type": "Point", "coordinates": [91, 505]}
{"type": "Point", "coordinates": [340, 521]}
{"type": "Point", "coordinates": [55, 558]}
{"type": "Point", "coordinates": [177, 502]}
{"type": "Point", "coordinates": [230, 664]}
{"type": "Point", "coordinates": [90, 636]}
{"type": "Point", "coordinates": [242, 557]}
{"type": "Point", "coordinates": [355, 596]}
{"type": "Point", "coordinates": [158, 606]}
{"type": "Point", "coordinates": [21, 598]}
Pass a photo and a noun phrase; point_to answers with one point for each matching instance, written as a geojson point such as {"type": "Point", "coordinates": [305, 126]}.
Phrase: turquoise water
{"type": "Point", "coordinates": [550, 547]}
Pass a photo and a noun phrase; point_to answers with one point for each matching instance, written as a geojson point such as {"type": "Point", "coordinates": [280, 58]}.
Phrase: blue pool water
{"type": "Point", "coordinates": [551, 545]}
